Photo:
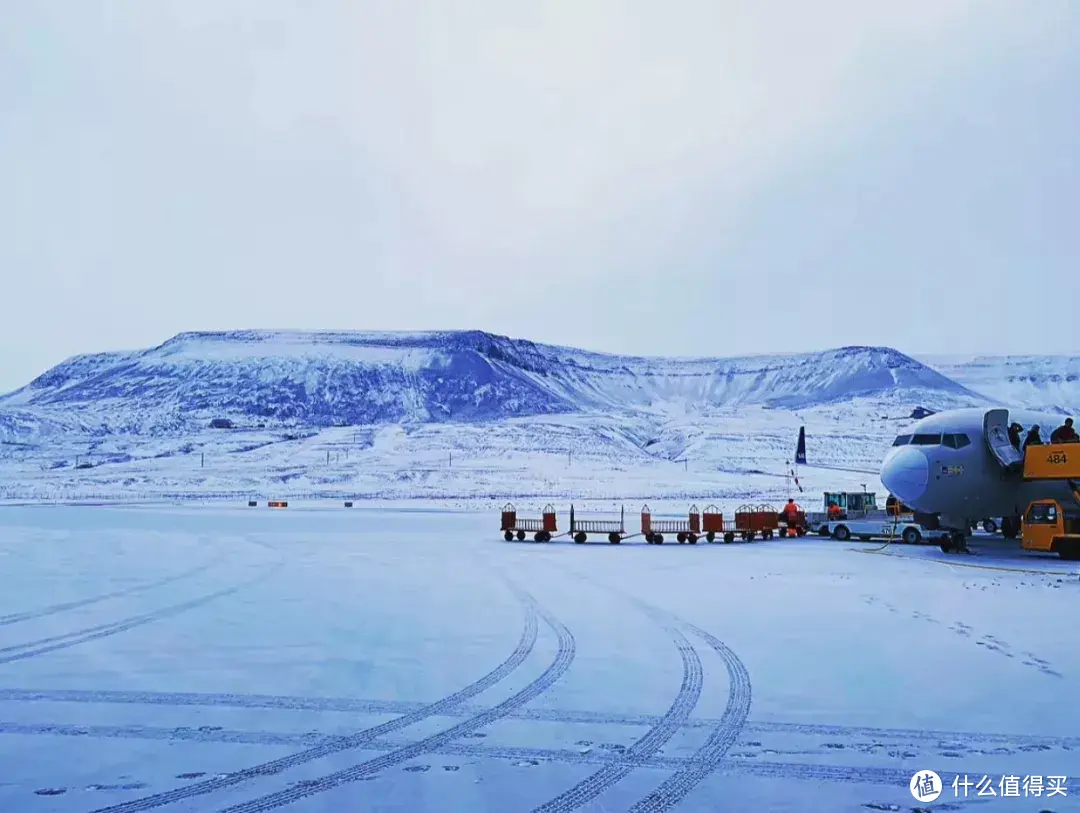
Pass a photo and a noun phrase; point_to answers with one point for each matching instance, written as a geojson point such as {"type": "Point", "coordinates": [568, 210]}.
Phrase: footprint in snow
{"type": "Point", "coordinates": [451, 768]}
{"type": "Point", "coordinates": [191, 775]}
{"type": "Point", "coordinates": [50, 791]}
{"type": "Point", "coordinates": [418, 768]}
{"type": "Point", "coordinates": [127, 786]}
{"type": "Point", "coordinates": [476, 735]}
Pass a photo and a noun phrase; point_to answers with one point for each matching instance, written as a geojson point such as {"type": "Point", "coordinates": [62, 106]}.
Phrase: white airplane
{"type": "Point", "coordinates": [956, 467]}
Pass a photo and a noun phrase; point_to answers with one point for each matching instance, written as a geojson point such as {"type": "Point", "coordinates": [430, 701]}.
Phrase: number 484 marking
{"type": "Point", "coordinates": [1057, 458]}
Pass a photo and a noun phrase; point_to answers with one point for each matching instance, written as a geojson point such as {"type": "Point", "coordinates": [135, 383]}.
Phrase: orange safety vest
{"type": "Point", "coordinates": [791, 509]}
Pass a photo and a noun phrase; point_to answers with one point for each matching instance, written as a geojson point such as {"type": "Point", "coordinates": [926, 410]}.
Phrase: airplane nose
{"type": "Point", "coordinates": [905, 473]}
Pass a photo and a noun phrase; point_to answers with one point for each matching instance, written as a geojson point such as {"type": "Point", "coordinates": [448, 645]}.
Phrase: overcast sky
{"type": "Point", "coordinates": [687, 178]}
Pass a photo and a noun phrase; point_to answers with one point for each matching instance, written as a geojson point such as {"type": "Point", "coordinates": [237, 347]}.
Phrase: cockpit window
{"type": "Point", "coordinates": [902, 440]}
{"type": "Point", "coordinates": [955, 441]}
{"type": "Point", "coordinates": [925, 440]}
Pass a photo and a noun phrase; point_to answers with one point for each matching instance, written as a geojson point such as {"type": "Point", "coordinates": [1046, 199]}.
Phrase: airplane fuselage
{"type": "Point", "coordinates": [943, 466]}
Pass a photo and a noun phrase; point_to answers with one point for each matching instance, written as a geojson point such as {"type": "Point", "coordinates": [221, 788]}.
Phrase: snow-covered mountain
{"type": "Point", "coordinates": [324, 379]}
{"type": "Point", "coordinates": [1050, 383]}
{"type": "Point", "coordinates": [454, 414]}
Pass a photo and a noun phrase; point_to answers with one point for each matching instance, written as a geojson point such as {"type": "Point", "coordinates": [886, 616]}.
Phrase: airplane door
{"type": "Point", "coordinates": [996, 432]}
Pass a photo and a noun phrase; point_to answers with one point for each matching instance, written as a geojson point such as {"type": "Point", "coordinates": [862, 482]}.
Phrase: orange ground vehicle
{"type": "Point", "coordinates": [1051, 527]}
{"type": "Point", "coordinates": [685, 530]}
{"type": "Point", "coordinates": [755, 520]}
{"type": "Point", "coordinates": [542, 529]}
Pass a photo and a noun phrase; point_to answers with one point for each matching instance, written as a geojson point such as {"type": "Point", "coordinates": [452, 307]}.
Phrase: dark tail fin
{"type": "Point", "coordinates": [800, 450]}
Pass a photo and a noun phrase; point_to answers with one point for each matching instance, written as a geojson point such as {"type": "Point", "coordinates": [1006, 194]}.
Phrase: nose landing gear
{"type": "Point", "coordinates": [956, 542]}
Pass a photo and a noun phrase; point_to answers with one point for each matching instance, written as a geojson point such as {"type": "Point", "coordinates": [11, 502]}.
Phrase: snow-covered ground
{"type": "Point", "coordinates": [324, 659]}
{"type": "Point", "coordinates": [734, 455]}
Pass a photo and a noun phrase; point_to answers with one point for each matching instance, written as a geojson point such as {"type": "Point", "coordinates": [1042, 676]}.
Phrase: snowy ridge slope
{"type": "Point", "coordinates": [734, 455]}
{"type": "Point", "coordinates": [1049, 383]}
{"type": "Point", "coordinates": [341, 378]}
{"type": "Point", "coordinates": [448, 415]}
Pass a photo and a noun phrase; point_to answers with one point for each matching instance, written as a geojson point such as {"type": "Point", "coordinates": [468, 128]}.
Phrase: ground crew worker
{"type": "Point", "coordinates": [1014, 435]}
{"type": "Point", "coordinates": [1033, 438]}
{"type": "Point", "coordinates": [791, 516]}
{"type": "Point", "coordinates": [834, 511]}
{"type": "Point", "coordinates": [1065, 433]}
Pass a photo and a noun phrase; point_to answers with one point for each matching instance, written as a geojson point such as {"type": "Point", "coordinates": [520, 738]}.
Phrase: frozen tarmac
{"type": "Point", "coordinates": [221, 659]}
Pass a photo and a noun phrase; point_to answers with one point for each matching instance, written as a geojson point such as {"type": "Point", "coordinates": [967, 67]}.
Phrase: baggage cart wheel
{"type": "Point", "coordinates": [681, 537]}
{"type": "Point", "coordinates": [508, 535]}
{"type": "Point", "coordinates": [614, 538]}
{"type": "Point", "coordinates": [520, 536]}
{"type": "Point", "coordinates": [580, 537]}
{"type": "Point", "coordinates": [800, 532]}
{"type": "Point", "coordinates": [691, 538]}
{"type": "Point", "coordinates": [539, 537]}
{"type": "Point", "coordinates": [658, 539]}
{"type": "Point", "coordinates": [710, 537]}
{"type": "Point", "coordinates": [729, 537]}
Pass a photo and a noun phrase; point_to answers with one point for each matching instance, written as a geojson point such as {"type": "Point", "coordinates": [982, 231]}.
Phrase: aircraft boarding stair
{"type": "Point", "coordinates": [1052, 461]}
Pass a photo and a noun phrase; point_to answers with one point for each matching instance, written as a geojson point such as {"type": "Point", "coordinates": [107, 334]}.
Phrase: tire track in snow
{"type": "Point", "coordinates": [841, 739]}
{"type": "Point", "coordinates": [555, 670]}
{"type": "Point", "coordinates": [362, 739]}
{"type": "Point", "coordinates": [708, 757]}
{"type": "Point", "coordinates": [848, 774]}
{"type": "Point", "coordinates": [668, 725]}
{"type": "Point", "coordinates": [15, 618]}
{"type": "Point", "coordinates": [572, 716]}
{"type": "Point", "coordinates": [44, 645]}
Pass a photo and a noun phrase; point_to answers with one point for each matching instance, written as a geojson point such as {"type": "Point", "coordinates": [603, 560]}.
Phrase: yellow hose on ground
{"type": "Point", "coordinates": [892, 536]}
